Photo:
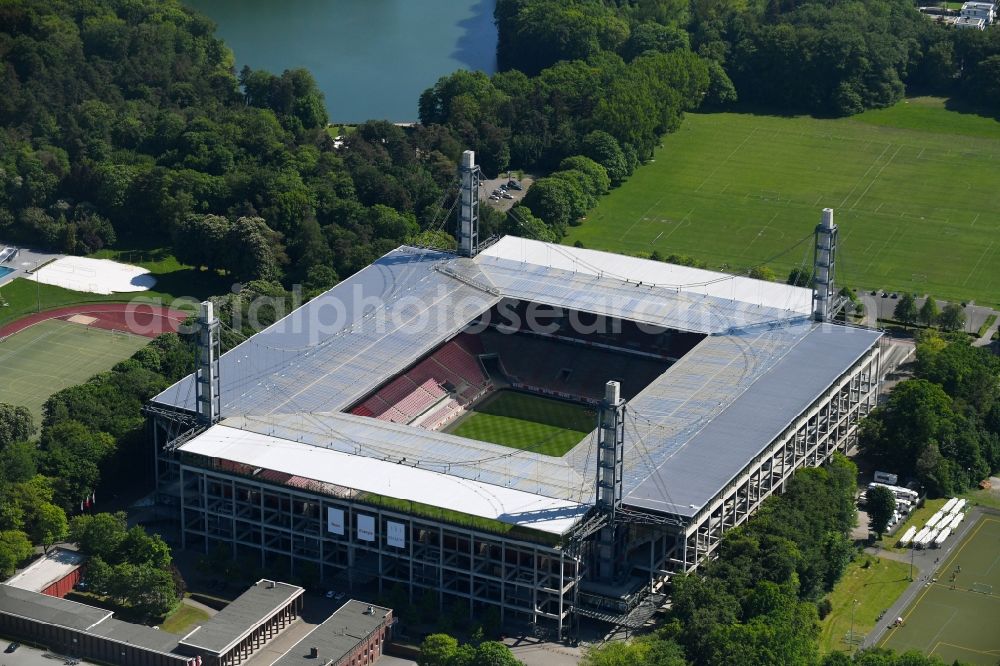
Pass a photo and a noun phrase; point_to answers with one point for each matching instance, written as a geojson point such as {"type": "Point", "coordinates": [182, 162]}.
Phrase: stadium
{"type": "Point", "coordinates": [548, 431]}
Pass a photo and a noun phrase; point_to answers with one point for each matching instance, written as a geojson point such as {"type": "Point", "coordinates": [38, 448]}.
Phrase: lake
{"type": "Point", "coordinates": [371, 58]}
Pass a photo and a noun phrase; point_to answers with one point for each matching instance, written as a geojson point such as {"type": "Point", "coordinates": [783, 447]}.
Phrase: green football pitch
{"type": "Point", "coordinates": [528, 422]}
{"type": "Point", "coordinates": [54, 354]}
{"type": "Point", "coordinates": [914, 189]}
{"type": "Point", "coordinates": [959, 622]}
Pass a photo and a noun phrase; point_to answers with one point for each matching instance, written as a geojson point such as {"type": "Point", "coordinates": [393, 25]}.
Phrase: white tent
{"type": "Point", "coordinates": [942, 535]}
{"type": "Point", "coordinates": [935, 519]}
{"type": "Point", "coordinates": [950, 503]}
{"type": "Point", "coordinates": [907, 537]}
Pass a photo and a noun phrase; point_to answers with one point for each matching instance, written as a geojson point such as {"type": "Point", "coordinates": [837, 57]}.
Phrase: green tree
{"type": "Point", "coordinates": [952, 317]}
{"type": "Point", "coordinates": [14, 549]}
{"type": "Point", "coordinates": [929, 313]}
{"type": "Point", "coordinates": [492, 653]}
{"type": "Point", "coordinates": [763, 273]}
{"type": "Point", "coordinates": [906, 309]}
{"type": "Point", "coordinates": [604, 149]}
{"type": "Point", "coordinates": [437, 650]}
{"type": "Point", "coordinates": [49, 525]}
{"type": "Point", "coordinates": [797, 277]}
{"type": "Point", "coordinates": [16, 424]}
{"type": "Point", "coordinates": [100, 534]}
{"type": "Point", "coordinates": [879, 503]}
{"type": "Point", "coordinates": [616, 653]}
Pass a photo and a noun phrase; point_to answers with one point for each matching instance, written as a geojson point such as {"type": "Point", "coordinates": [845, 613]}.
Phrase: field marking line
{"type": "Point", "coordinates": [865, 175]}
{"type": "Point", "coordinates": [680, 223]}
{"type": "Point", "coordinates": [878, 253]}
{"type": "Point", "coordinates": [723, 162]}
{"type": "Point", "coordinates": [759, 234]}
{"type": "Point", "coordinates": [979, 261]}
{"type": "Point", "coordinates": [643, 216]}
{"type": "Point", "coordinates": [974, 220]}
{"type": "Point", "coordinates": [944, 625]}
{"type": "Point", "coordinates": [876, 177]}
{"type": "Point", "coordinates": [988, 653]}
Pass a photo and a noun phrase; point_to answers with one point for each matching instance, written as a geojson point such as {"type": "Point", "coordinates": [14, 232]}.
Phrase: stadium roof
{"type": "Point", "coordinates": [337, 635]}
{"type": "Point", "coordinates": [689, 432]}
{"type": "Point", "coordinates": [243, 615]}
{"type": "Point", "coordinates": [692, 431]}
{"type": "Point", "coordinates": [400, 480]}
{"type": "Point", "coordinates": [340, 346]}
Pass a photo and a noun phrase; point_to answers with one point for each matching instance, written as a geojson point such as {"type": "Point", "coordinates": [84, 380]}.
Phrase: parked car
{"type": "Point", "coordinates": [514, 185]}
{"type": "Point", "coordinates": [329, 594]}
{"type": "Point", "coordinates": [12, 647]}
{"type": "Point", "coordinates": [507, 195]}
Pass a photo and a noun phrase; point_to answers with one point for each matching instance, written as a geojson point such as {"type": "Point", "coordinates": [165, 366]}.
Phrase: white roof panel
{"type": "Point", "coordinates": [401, 481]}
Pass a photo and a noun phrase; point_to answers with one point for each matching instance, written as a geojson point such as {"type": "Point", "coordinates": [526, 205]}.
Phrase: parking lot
{"type": "Point", "coordinates": [488, 187]}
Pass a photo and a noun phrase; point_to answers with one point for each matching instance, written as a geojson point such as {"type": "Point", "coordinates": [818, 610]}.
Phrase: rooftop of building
{"type": "Point", "coordinates": [81, 617]}
{"type": "Point", "coordinates": [43, 572]}
{"type": "Point", "coordinates": [240, 617]}
{"type": "Point", "coordinates": [338, 347]}
{"type": "Point", "coordinates": [688, 433]}
{"type": "Point", "coordinates": [337, 635]}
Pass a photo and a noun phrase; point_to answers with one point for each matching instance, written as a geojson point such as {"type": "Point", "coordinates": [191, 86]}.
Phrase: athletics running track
{"type": "Point", "coordinates": [137, 318]}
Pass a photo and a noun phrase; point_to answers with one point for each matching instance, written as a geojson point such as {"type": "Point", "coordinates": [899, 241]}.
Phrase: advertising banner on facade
{"type": "Point", "coordinates": [396, 534]}
{"type": "Point", "coordinates": [366, 527]}
{"type": "Point", "coordinates": [335, 521]}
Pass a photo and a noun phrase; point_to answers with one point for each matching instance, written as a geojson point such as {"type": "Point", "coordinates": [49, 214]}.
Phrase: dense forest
{"type": "Point", "coordinates": [824, 57]}
{"type": "Point", "coordinates": [943, 426]}
{"type": "Point", "coordinates": [127, 122]}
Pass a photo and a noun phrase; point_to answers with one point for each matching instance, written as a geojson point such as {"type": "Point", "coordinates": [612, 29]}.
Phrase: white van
{"type": "Point", "coordinates": [886, 477]}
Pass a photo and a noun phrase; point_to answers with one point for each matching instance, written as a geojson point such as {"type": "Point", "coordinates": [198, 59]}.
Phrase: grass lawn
{"type": "Point", "coordinates": [875, 587]}
{"type": "Point", "coordinates": [529, 422]}
{"type": "Point", "coordinates": [183, 619]}
{"type": "Point", "coordinates": [913, 187]}
{"type": "Point", "coordinates": [54, 354]}
{"type": "Point", "coordinates": [958, 623]}
{"type": "Point", "coordinates": [173, 279]}
{"type": "Point", "coordinates": [990, 498]}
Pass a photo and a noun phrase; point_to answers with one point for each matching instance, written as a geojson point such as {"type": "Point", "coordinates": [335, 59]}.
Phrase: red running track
{"type": "Point", "coordinates": [138, 318]}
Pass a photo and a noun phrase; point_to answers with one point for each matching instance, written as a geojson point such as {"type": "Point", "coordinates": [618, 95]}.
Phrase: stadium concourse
{"type": "Point", "coordinates": [330, 453]}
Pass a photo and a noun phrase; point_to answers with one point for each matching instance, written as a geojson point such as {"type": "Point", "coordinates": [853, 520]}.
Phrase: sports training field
{"type": "Point", "coordinates": [528, 422]}
{"type": "Point", "coordinates": [54, 354]}
{"type": "Point", "coordinates": [914, 188]}
{"type": "Point", "coordinates": [959, 623]}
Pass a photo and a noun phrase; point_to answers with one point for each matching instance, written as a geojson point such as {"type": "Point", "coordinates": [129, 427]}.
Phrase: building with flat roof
{"type": "Point", "coordinates": [233, 634]}
{"type": "Point", "coordinates": [329, 444]}
{"type": "Point", "coordinates": [227, 639]}
{"type": "Point", "coordinates": [354, 635]}
{"type": "Point", "coordinates": [54, 574]}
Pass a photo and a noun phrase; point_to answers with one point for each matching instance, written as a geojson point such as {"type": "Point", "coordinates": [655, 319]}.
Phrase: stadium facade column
{"type": "Point", "coordinates": [610, 469]}
{"type": "Point", "coordinates": [468, 214]}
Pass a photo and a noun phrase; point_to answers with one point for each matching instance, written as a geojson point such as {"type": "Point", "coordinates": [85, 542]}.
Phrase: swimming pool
{"type": "Point", "coordinates": [4, 271]}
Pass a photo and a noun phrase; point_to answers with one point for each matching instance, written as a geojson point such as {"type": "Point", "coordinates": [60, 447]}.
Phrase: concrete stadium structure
{"type": "Point", "coordinates": [274, 451]}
